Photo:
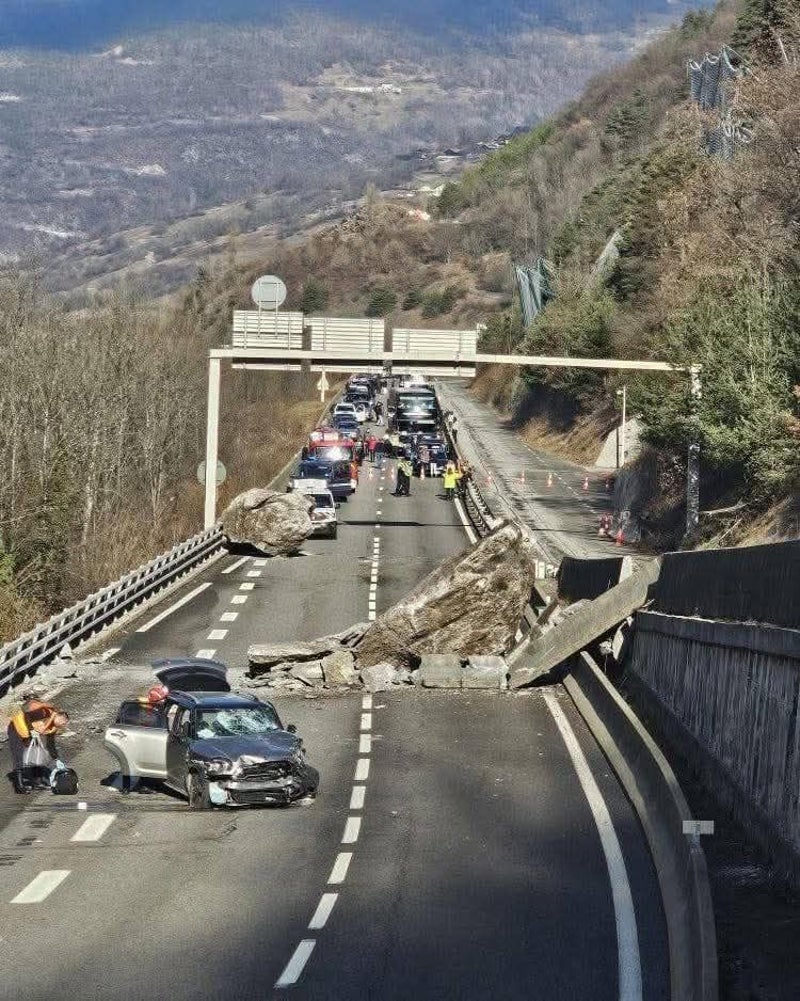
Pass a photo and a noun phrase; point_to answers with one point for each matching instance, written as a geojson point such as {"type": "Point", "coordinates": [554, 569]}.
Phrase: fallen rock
{"type": "Point", "coordinates": [485, 672]}
{"type": "Point", "coordinates": [309, 673]}
{"type": "Point", "coordinates": [273, 523]}
{"type": "Point", "coordinates": [339, 669]}
{"type": "Point", "coordinates": [403, 676]}
{"type": "Point", "coordinates": [379, 678]}
{"type": "Point", "coordinates": [472, 604]}
{"type": "Point", "coordinates": [276, 656]}
{"type": "Point", "coordinates": [440, 670]}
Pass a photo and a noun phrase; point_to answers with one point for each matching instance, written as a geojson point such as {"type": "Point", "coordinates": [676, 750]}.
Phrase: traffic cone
{"type": "Point", "coordinates": [586, 483]}
{"type": "Point", "coordinates": [620, 537]}
{"type": "Point", "coordinates": [549, 479]}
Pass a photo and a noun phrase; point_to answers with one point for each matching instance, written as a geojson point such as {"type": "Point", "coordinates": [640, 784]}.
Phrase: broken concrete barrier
{"type": "Point", "coordinates": [586, 624]}
{"type": "Point", "coordinates": [486, 672]}
{"type": "Point", "coordinates": [440, 670]}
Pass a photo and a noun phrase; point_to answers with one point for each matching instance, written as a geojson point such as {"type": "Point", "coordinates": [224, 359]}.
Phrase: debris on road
{"type": "Point", "coordinates": [276, 524]}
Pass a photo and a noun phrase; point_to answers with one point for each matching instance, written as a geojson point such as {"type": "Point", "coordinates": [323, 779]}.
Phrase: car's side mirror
{"type": "Point", "coordinates": [291, 728]}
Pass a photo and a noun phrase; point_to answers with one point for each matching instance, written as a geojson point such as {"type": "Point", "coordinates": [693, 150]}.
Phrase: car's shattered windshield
{"type": "Point", "coordinates": [243, 722]}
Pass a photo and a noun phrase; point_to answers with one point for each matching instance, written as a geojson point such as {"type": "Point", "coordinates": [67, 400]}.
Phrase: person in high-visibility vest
{"type": "Point", "coordinates": [451, 478]}
{"type": "Point", "coordinates": [34, 719]}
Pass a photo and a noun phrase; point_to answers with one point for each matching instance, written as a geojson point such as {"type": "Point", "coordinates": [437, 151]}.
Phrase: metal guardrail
{"type": "Point", "coordinates": [24, 655]}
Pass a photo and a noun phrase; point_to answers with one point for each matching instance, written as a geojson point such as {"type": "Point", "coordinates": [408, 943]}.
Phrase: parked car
{"type": "Point", "coordinates": [209, 744]}
{"type": "Point", "coordinates": [344, 409]}
{"type": "Point", "coordinates": [323, 514]}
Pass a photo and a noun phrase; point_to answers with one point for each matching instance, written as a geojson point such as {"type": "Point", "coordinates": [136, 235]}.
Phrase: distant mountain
{"type": "Point", "coordinates": [80, 24]}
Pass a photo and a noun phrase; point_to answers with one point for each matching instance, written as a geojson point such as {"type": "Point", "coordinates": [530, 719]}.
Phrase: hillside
{"type": "Point", "coordinates": [176, 124]}
{"type": "Point", "coordinates": [706, 274]}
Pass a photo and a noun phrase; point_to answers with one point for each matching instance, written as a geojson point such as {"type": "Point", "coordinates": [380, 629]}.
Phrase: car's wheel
{"type": "Point", "coordinates": [197, 792]}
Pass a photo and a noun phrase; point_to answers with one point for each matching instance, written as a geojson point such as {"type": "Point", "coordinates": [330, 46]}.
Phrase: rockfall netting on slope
{"type": "Point", "coordinates": [711, 87]}
{"type": "Point", "coordinates": [535, 285]}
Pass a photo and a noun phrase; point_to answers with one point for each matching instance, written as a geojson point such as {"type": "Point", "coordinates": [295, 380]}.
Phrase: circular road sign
{"type": "Point", "coordinates": [222, 473]}
{"type": "Point", "coordinates": [268, 292]}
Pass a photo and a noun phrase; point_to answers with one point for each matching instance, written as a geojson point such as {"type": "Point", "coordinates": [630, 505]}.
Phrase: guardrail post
{"type": "Point", "coordinates": [212, 441]}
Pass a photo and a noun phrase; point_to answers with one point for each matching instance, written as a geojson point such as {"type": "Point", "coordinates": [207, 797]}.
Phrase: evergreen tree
{"type": "Point", "coordinates": [759, 26]}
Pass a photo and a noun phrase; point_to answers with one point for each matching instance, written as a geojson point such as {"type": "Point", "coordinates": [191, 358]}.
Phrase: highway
{"type": "Point", "coordinates": [561, 500]}
{"type": "Point", "coordinates": [463, 845]}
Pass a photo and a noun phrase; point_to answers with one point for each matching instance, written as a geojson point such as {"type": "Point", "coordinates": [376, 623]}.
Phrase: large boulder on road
{"type": "Point", "coordinates": [271, 522]}
{"type": "Point", "coordinates": [472, 604]}
{"type": "Point", "coordinates": [339, 669]}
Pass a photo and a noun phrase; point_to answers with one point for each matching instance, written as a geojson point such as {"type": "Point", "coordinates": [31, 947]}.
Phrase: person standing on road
{"type": "Point", "coordinates": [450, 481]}
{"type": "Point", "coordinates": [404, 473]}
{"type": "Point", "coordinates": [464, 476]}
{"type": "Point", "coordinates": [34, 722]}
{"type": "Point", "coordinates": [372, 444]}
{"type": "Point", "coordinates": [378, 412]}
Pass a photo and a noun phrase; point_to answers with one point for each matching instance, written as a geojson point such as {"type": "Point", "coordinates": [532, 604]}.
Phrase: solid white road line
{"type": "Point", "coordinates": [323, 911]}
{"type": "Point", "coordinates": [174, 608]}
{"type": "Point", "coordinates": [351, 830]}
{"type": "Point", "coordinates": [365, 743]}
{"type": "Point", "coordinates": [229, 617]}
{"type": "Point", "coordinates": [630, 969]}
{"type": "Point", "coordinates": [366, 702]}
{"type": "Point", "coordinates": [366, 721]}
{"type": "Point", "coordinates": [247, 586]}
{"type": "Point", "coordinates": [205, 654]}
{"type": "Point", "coordinates": [217, 634]}
{"type": "Point", "coordinates": [239, 599]}
{"type": "Point", "coordinates": [235, 566]}
{"type": "Point", "coordinates": [296, 965]}
{"type": "Point", "coordinates": [362, 770]}
{"type": "Point", "coordinates": [340, 867]}
{"type": "Point", "coordinates": [357, 797]}
{"type": "Point", "coordinates": [473, 538]}
{"type": "Point", "coordinates": [94, 827]}
{"type": "Point", "coordinates": [41, 887]}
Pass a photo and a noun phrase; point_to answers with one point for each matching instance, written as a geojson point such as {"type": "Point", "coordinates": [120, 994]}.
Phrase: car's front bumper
{"type": "Point", "coordinates": [286, 789]}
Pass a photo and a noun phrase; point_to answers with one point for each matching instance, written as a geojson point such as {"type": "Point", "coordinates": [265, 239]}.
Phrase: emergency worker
{"type": "Point", "coordinates": [451, 478]}
{"type": "Point", "coordinates": [38, 719]}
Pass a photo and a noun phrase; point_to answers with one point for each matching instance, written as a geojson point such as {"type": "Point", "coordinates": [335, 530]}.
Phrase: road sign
{"type": "Point", "coordinates": [268, 292]}
{"type": "Point", "coordinates": [222, 473]}
{"type": "Point", "coordinates": [322, 386]}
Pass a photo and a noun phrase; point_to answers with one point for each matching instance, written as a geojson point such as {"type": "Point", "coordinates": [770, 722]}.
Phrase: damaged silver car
{"type": "Point", "coordinates": [213, 746]}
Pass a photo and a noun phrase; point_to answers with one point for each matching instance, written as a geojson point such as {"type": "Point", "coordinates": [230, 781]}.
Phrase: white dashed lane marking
{"type": "Point", "coordinates": [362, 770]}
{"type": "Point", "coordinates": [365, 743]}
{"type": "Point", "coordinates": [323, 911]}
{"type": "Point", "coordinates": [229, 617]}
{"type": "Point", "coordinates": [247, 586]}
{"type": "Point", "coordinates": [296, 965]}
{"type": "Point", "coordinates": [205, 654]}
{"type": "Point", "coordinates": [357, 797]}
{"type": "Point", "coordinates": [217, 634]}
{"type": "Point", "coordinates": [366, 702]}
{"type": "Point", "coordinates": [340, 867]}
{"type": "Point", "coordinates": [239, 599]}
{"type": "Point", "coordinates": [254, 573]}
{"type": "Point", "coordinates": [40, 888]}
{"type": "Point", "coordinates": [366, 721]}
{"type": "Point", "coordinates": [93, 828]}
{"type": "Point", "coordinates": [351, 830]}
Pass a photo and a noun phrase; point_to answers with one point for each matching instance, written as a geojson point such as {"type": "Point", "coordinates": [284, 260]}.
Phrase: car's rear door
{"type": "Point", "coordinates": [138, 741]}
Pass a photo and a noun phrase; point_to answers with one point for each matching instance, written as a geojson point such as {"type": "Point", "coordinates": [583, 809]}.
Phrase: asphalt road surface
{"type": "Point", "coordinates": [560, 500]}
{"type": "Point", "coordinates": [462, 845]}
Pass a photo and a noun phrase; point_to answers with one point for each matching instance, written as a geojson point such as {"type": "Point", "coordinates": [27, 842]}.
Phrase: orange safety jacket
{"type": "Point", "coordinates": [34, 712]}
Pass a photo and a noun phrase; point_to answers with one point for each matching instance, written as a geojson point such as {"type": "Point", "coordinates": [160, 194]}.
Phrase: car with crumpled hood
{"type": "Point", "coordinates": [211, 745]}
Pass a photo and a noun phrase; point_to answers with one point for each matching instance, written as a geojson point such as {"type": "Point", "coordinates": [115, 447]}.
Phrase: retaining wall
{"type": "Point", "coordinates": [732, 689]}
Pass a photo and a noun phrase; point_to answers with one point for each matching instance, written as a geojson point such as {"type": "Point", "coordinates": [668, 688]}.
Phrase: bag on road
{"type": "Point", "coordinates": [64, 781]}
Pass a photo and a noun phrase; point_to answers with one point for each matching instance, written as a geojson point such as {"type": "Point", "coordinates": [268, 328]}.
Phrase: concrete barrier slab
{"type": "Point", "coordinates": [440, 670]}
{"type": "Point", "coordinates": [485, 672]}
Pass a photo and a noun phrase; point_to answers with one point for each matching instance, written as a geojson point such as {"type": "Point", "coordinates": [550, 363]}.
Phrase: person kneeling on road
{"type": "Point", "coordinates": [31, 737]}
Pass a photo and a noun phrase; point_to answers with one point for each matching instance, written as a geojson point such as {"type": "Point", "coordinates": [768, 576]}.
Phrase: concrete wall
{"type": "Point", "coordinates": [733, 689]}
